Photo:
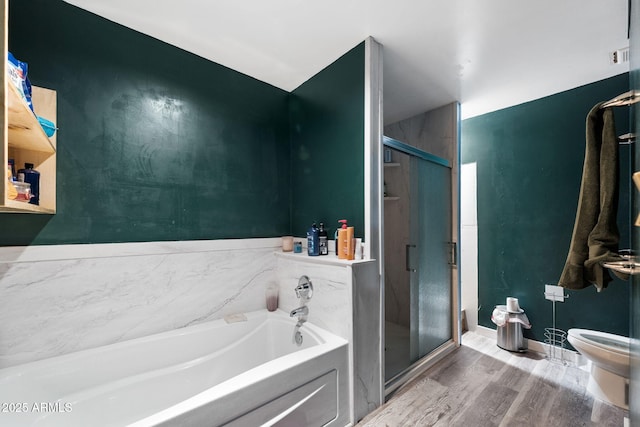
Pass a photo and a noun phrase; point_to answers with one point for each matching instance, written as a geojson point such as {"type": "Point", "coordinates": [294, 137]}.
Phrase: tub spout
{"type": "Point", "coordinates": [300, 311]}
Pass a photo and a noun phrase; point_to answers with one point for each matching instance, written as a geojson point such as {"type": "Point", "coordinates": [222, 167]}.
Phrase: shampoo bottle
{"type": "Point", "coordinates": [350, 243]}
{"type": "Point", "coordinates": [323, 240]}
{"type": "Point", "coordinates": [342, 243]}
{"type": "Point", "coordinates": [338, 247]}
{"type": "Point", "coordinates": [313, 244]}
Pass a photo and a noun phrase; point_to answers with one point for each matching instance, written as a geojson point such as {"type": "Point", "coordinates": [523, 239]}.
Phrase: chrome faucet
{"type": "Point", "coordinates": [304, 292]}
{"type": "Point", "coordinates": [300, 312]}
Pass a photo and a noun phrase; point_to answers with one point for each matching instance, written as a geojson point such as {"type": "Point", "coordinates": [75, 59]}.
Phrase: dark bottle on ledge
{"type": "Point", "coordinates": [323, 240]}
{"type": "Point", "coordinates": [313, 243]}
{"type": "Point", "coordinates": [32, 176]}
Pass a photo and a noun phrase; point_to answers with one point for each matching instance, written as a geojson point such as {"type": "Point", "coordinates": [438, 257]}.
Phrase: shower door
{"type": "Point", "coordinates": [418, 279]}
{"type": "Point", "coordinates": [430, 253]}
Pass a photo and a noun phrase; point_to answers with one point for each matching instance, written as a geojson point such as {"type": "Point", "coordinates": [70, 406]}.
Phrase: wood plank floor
{"type": "Point", "coordinates": [482, 385]}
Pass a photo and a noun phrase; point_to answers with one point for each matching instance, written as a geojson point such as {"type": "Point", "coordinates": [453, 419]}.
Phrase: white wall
{"type": "Point", "coordinates": [469, 243]}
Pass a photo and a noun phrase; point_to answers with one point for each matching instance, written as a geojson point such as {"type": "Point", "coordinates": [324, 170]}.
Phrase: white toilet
{"type": "Point", "coordinates": [609, 356]}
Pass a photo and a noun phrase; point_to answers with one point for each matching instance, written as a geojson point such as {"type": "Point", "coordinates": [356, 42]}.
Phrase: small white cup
{"type": "Point", "coordinates": [287, 243]}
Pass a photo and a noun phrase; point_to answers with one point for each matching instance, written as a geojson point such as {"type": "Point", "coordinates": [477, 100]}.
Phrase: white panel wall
{"type": "Point", "coordinates": [469, 243]}
{"type": "Point", "coordinates": [60, 299]}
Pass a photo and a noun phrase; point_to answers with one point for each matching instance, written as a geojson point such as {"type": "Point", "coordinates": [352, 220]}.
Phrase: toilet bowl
{"type": "Point", "coordinates": [609, 356]}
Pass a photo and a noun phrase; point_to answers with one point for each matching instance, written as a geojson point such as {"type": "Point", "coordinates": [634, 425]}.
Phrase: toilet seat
{"type": "Point", "coordinates": [609, 351]}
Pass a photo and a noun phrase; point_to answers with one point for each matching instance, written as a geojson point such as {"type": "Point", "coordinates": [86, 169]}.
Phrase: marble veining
{"type": "Point", "coordinates": [433, 131]}
{"type": "Point", "coordinates": [66, 302]}
{"type": "Point", "coordinates": [368, 376]}
{"type": "Point", "coordinates": [346, 301]}
{"type": "Point", "coordinates": [108, 250]}
{"type": "Point", "coordinates": [330, 306]}
{"type": "Point", "coordinates": [60, 299]}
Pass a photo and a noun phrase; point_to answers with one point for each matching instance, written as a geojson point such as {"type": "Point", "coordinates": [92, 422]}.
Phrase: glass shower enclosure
{"type": "Point", "coordinates": [418, 257]}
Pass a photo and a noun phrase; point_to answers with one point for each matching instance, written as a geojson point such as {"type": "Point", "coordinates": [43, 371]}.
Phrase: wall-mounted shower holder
{"type": "Point", "coordinates": [304, 290]}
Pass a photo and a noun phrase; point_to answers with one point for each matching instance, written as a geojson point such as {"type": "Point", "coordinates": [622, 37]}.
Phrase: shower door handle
{"type": "Point", "coordinates": [407, 254]}
{"type": "Point", "coordinates": [453, 254]}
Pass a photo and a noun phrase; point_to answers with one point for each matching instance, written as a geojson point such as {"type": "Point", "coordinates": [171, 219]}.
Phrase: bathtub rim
{"type": "Point", "coordinates": [325, 342]}
{"type": "Point", "coordinates": [319, 334]}
{"type": "Point", "coordinates": [330, 345]}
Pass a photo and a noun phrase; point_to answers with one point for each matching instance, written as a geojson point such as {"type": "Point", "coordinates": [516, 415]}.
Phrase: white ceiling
{"type": "Point", "coordinates": [486, 54]}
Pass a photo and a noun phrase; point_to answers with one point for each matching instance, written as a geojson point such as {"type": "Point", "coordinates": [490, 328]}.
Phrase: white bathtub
{"type": "Point", "coordinates": [240, 374]}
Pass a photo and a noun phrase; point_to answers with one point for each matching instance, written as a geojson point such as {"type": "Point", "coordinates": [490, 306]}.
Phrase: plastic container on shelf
{"type": "Point", "coordinates": [32, 176]}
{"type": "Point", "coordinates": [24, 191]}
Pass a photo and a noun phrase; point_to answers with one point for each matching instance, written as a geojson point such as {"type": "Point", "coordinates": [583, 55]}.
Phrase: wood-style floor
{"type": "Point", "coordinates": [482, 385]}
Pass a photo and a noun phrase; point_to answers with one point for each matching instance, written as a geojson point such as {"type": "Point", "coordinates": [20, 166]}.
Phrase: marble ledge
{"type": "Point", "coordinates": [321, 259]}
{"type": "Point", "coordinates": [13, 254]}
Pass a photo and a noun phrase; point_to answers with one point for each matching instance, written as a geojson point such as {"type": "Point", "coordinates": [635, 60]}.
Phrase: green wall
{"type": "Point", "coordinates": [155, 143]}
{"type": "Point", "coordinates": [529, 167]}
{"type": "Point", "coordinates": [327, 146]}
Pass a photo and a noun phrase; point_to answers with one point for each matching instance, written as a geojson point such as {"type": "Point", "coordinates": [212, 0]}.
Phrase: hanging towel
{"type": "Point", "coordinates": [595, 232]}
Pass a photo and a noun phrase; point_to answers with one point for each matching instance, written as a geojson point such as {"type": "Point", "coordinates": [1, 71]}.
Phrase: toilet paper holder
{"type": "Point", "coordinates": [555, 338]}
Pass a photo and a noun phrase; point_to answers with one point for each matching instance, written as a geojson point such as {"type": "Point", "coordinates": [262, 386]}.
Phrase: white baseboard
{"type": "Point", "coordinates": [573, 357]}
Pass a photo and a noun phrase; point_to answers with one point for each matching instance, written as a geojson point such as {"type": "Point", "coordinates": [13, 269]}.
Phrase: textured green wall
{"type": "Point", "coordinates": [327, 146]}
{"type": "Point", "coordinates": [529, 166]}
{"type": "Point", "coordinates": [154, 143]}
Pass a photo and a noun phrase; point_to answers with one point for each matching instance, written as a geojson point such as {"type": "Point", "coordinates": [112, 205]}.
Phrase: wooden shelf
{"type": "Point", "coordinates": [25, 131]}
{"type": "Point", "coordinates": [26, 142]}
{"type": "Point", "coordinates": [391, 198]}
{"type": "Point", "coordinates": [23, 139]}
{"type": "Point", "coordinates": [14, 206]}
{"type": "Point", "coordinates": [391, 165]}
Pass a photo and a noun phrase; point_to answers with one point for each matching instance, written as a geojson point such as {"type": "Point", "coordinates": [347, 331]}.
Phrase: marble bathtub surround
{"type": "Point", "coordinates": [330, 306]}
{"type": "Point", "coordinates": [346, 301]}
{"type": "Point", "coordinates": [59, 299]}
{"type": "Point", "coordinates": [107, 250]}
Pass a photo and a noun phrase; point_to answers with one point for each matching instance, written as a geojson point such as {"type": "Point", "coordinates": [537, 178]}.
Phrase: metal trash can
{"type": "Point", "coordinates": [510, 330]}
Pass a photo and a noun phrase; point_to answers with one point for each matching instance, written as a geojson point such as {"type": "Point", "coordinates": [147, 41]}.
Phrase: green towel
{"type": "Point", "coordinates": [595, 233]}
